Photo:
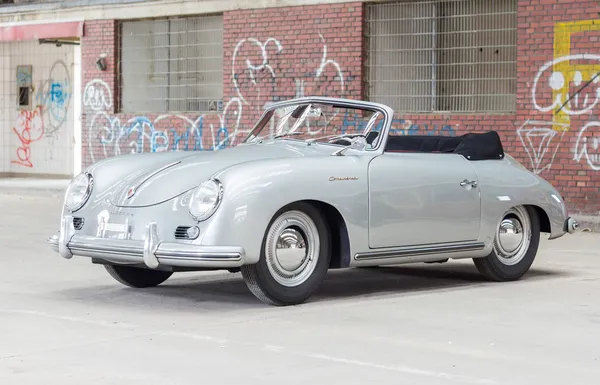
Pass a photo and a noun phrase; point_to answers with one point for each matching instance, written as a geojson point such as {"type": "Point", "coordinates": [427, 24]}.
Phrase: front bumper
{"type": "Point", "coordinates": [151, 252]}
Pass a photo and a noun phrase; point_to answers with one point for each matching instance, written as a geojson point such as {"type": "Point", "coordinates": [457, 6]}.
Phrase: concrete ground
{"type": "Point", "coordinates": [67, 322]}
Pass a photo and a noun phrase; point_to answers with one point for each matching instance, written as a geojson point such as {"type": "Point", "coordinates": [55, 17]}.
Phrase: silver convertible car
{"type": "Point", "coordinates": [319, 183]}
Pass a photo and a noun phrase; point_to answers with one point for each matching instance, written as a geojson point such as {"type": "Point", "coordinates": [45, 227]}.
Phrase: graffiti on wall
{"type": "Point", "coordinates": [140, 133]}
{"type": "Point", "coordinates": [353, 123]}
{"type": "Point", "coordinates": [54, 96]}
{"type": "Point", "coordinates": [257, 78]}
{"type": "Point", "coordinates": [30, 128]}
{"type": "Point", "coordinates": [587, 146]}
{"type": "Point", "coordinates": [260, 73]}
{"type": "Point", "coordinates": [257, 73]}
{"type": "Point", "coordinates": [51, 99]}
{"type": "Point", "coordinates": [573, 80]}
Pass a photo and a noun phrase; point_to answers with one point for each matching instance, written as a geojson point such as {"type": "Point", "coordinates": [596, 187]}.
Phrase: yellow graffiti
{"type": "Point", "coordinates": [562, 49]}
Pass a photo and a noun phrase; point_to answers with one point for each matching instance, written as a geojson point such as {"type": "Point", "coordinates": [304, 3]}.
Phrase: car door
{"type": "Point", "coordinates": [422, 198]}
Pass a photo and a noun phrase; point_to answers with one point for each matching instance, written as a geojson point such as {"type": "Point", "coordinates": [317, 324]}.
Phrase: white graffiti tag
{"type": "Point", "coordinates": [326, 62]}
{"type": "Point", "coordinates": [541, 141]}
{"type": "Point", "coordinates": [250, 66]}
{"type": "Point", "coordinates": [588, 145]}
{"type": "Point", "coordinates": [97, 96]}
{"type": "Point", "coordinates": [559, 82]}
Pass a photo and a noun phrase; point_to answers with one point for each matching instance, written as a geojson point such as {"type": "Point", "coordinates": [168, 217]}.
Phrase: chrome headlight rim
{"type": "Point", "coordinates": [86, 195]}
{"type": "Point", "coordinates": [215, 207]}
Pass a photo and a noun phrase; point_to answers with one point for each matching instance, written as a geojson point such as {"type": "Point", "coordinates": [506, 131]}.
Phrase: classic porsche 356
{"type": "Point", "coordinates": [303, 194]}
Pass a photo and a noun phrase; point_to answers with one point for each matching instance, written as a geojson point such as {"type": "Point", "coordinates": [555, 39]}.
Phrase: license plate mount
{"type": "Point", "coordinates": [114, 229]}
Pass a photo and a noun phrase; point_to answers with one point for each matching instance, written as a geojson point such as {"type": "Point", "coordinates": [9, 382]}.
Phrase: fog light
{"type": "Point", "coordinates": [193, 232]}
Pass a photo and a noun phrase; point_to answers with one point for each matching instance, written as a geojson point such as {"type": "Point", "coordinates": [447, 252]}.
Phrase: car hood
{"type": "Point", "coordinates": [170, 178]}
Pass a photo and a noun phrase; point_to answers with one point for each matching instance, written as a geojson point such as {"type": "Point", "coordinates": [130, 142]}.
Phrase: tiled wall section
{"type": "Point", "coordinates": [37, 138]}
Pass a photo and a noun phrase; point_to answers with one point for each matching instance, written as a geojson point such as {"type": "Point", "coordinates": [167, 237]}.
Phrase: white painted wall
{"type": "Point", "coordinates": [46, 145]}
{"type": "Point", "coordinates": [77, 114]}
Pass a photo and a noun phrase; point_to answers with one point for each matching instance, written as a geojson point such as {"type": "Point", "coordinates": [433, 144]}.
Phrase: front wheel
{"type": "Point", "coordinates": [137, 277]}
{"type": "Point", "coordinates": [515, 245]}
{"type": "Point", "coordinates": [294, 257]}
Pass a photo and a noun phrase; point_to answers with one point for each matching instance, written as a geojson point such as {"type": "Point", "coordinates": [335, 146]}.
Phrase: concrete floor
{"type": "Point", "coordinates": [67, 322]}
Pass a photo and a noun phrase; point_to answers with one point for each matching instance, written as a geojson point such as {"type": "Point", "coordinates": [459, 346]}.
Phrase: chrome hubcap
{"type": "Point", "coordinates": [513, 236]}
{"type": "Point", "coordinates": [292, 248]}
{"type": "Point", "coordinates": [510, 234]}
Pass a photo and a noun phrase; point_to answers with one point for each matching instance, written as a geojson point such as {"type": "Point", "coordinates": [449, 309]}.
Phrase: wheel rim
{"type": "Point", "coordinates": [513, 236]}
{"type": "Point", "coordinates": [292, 249]}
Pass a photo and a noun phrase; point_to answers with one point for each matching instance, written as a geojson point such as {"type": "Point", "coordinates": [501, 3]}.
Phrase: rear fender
{"type": "Point", "coordinates": [505, 184]}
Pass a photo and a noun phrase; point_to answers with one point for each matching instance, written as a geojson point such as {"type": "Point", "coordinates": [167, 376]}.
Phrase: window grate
{"type": "Point", "coordinates": [172, 65]}
{"type": "Point", "coordinates": [443, 55]}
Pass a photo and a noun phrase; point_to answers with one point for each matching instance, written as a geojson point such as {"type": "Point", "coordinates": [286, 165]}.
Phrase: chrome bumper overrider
{"type": "Point", "coordinates": [571, 225]}
{"type": "Point", "coordinates": [152, 251]}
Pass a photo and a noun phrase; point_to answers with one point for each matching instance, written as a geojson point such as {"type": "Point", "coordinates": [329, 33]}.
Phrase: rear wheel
{"type": "Point", "coordinates": [515, 245]}
{"type": "Point", "coordinates": [137, 277]}
{"type": "Point", "coordinates": [294, 257]}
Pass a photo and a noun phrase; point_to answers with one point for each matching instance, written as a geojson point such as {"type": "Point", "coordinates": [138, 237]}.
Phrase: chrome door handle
{"type": "Point", "coordinates": [465, 182]}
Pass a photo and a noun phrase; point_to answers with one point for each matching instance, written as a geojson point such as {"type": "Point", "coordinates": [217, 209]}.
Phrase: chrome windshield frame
{"type": "Point", "coordinates": [386, 111]}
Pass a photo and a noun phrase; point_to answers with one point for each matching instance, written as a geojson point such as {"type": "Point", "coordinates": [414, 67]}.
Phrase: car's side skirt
{"type": "Point", "coordinates": [421, 253]}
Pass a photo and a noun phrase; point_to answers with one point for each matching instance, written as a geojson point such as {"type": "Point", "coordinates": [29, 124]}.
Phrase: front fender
{"type": "Point", "coordinates": [255, 191]}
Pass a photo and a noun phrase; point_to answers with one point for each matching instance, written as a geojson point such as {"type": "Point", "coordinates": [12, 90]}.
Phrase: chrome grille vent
{"type": "Point", "coordinates": [78, 223]}
{"type": "Point", "coordinates": [181, 232]}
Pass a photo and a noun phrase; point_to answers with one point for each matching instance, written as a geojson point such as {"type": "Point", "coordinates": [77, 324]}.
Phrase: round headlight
{"type": "Point", "coordinates": [205, 199]}
{"type": "Point", "coordinates": [79, 191]}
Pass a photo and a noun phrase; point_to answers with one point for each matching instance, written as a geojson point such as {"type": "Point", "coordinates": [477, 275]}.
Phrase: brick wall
{"type": "Point", "coordinates": [270, 54]}
{"type": "Point", "coordinates": [312, 50]}
{"type": "Point", "coordinates": [556, 44]}
{"type": "Point", "coordinates": [277, 53]}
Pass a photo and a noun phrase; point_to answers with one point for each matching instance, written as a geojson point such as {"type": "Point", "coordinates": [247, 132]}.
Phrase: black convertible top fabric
{"type": "Point", "coordinates": [473, 146]}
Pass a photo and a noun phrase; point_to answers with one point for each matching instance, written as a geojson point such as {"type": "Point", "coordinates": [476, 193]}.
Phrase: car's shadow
{"type": "Point", "coordinates": [198, 291]}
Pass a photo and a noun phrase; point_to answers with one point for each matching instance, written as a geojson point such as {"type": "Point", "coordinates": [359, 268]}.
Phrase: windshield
{"type": "Point", "coordinates": [318, 122]}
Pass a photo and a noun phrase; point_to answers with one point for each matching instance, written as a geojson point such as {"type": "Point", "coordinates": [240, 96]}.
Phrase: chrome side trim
{"type": "Point", "coordinates": [420, 250]}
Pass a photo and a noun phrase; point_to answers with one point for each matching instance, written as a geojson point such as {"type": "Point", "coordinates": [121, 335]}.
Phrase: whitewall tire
{"type": "Point", "coordinates": [515, 245]}
{"type": "Point", "coordinates": [294, 257]}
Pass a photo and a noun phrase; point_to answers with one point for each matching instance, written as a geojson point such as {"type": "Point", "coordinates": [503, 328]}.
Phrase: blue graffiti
{"type": "Point", "coordinates": [54, 98]}
{"type": "Point", "coordinates": [416, 129]}
{"type": "Point", "coordinates": [356, 122]}
{"type": "Point", "coordinates": [23, 76]}
{"type": "Point", "coordinates": [140, 132]}
{"type": "Point", "coordinates": [195, 133]}
{"type": "Point", "coordinates": [399, 126]}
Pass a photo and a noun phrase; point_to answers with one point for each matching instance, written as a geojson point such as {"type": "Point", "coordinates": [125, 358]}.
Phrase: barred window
{"type": "Point", "coordinates": [172, 64]}
{"type": "Point", "coordinates": [443, 55]}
